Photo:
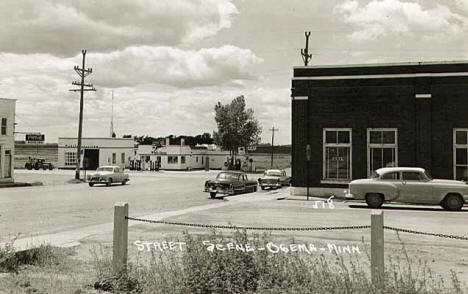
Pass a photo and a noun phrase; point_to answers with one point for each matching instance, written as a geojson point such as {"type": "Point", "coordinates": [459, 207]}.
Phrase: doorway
{"type": "Point", "coordinates": [91, 158]}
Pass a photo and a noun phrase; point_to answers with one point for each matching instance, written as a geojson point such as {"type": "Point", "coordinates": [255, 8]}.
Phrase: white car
{"type": "Point", "coordinates": [408, 185]}
{"type": "Point", "coordinates": [108, 175]}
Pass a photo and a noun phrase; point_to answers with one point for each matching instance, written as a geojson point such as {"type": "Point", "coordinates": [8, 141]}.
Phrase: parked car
{"type": "Point", "coordinates": [408, 185]}
{"type": "Point", "coordinates": [230, 183]}
{"type": "Point", "coordinates": [108, 175]}
{"type": "Point", "coordinates": [38, 163]}
{"type": "Point", "coordinates": [274, 178]}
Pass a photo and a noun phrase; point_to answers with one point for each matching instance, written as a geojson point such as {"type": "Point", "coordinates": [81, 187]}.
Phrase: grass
{"type": "Point", "coordinates": [42, 270]}
{"type": "Point", "coordinates": [197, 270]}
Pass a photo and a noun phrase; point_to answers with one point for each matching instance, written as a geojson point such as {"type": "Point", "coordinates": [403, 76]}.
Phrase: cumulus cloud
{"type": "Point", "coordinates": [386, 18]}
{"type": "Point", "coordinates": [173, 66]}
{"type": "Point", "coordinates": [61, 27]}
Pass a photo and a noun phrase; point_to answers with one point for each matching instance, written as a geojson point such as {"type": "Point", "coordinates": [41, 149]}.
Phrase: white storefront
{"type": "Point", "coordinates": [96, 152]}
{"type": "Point", "coordinates": [7, 139]}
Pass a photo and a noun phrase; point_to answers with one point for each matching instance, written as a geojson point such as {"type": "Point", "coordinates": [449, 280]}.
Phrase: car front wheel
{"type": "Point", "coordinates": [212, 195]}
{"type": "Point", "coordinates": [109, 182]}
{"type": "Point", "coordinates": [453, 202]}
{"type": "Point", "coordinates": [91, 184]}
{"type": "Point", "coordinates": [374, 200]}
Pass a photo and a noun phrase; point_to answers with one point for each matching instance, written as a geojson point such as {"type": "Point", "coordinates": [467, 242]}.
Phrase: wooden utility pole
{"type": "Point", "coordinates": [82, 72]}
{"type": "Point", "coordinates": [272, 142]}
{"type": "Point", "coordinates": [305, 52]}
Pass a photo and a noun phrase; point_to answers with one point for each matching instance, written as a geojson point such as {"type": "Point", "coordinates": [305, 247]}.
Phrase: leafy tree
{"type": "Point", "coordinates": [237, 126]}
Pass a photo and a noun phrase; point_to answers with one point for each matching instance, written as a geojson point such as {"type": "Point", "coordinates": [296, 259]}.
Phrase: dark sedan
{"type": "Point", "coordinates": [230, 183]}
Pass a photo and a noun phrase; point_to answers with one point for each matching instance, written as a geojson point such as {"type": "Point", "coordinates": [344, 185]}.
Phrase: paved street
{"type": "Point", "coordinates": [76, 212]}
{"type": "Point", "coordinates": [58, 206]}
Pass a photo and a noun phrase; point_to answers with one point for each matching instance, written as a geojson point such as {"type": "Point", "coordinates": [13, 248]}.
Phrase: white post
{"type": "Point", "coordinates": [377, 248]}
{"type": "Point", "coordinates": [119, 261]}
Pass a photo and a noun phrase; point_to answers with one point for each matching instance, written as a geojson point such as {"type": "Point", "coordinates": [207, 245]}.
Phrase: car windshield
{"type": "Point", "coordinates": [227, 176]}
{"type": "Point", "coordinates": [101, 169]}
{"type": "Point", "coordinates": [428, 176]}
{"type": "Point", "coordinates": [273, 173]}
{"type": "Point", "coordinates": [374, 175]}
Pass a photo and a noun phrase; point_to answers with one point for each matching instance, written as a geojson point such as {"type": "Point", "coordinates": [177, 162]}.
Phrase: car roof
{"type": "Point", "coordinates": [273, 170]}
{"type": "Point", "coordinates": [385, 170]}
{"type": "Point", "coordinates": [108, 166]}
{"type": "Point", "coordinates": [232, 172]}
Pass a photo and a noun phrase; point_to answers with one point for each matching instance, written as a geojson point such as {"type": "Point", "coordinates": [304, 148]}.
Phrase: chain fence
{"type": "Point", "coordinates": [255, 228]}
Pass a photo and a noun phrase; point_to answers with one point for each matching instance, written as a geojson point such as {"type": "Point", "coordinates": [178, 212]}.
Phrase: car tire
{"type": "Point", "coordinates": [255, 189]}
{"type": "Point", "coordinates": [452, 202]}
{"type": "Point", "coordinates": [213, 195]}
{"type": "Point", "coordinates": [374, 200]}
{"type": "Point", "coordinates": [91, 184]}
{"type": "Point", "coordinates": [109, 182]}
{"type": "Point", "coordinates": [124, 182]}
{"type": "Point", "coordinates": [263, 188]}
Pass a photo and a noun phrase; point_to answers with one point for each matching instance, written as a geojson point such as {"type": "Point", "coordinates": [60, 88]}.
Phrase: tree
{"type": "Point", "coordinates": [237, 126]}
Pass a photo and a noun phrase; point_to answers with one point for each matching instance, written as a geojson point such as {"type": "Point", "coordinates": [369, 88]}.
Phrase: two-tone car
{"type": "Point", "coordinates": [408, 185]}
{"type": "Point", "coordinates": [274, 179]}
{"type": "Point", "coordinates": [230, 183]}
{"type": "Point", "coordinates": [108, 175]}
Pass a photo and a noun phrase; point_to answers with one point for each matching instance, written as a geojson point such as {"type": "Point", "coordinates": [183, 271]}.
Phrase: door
{"type": "Point", "coordinates": [91, 157]}
{"type": "Point", "coordinates": [7, 166]}
{"type": "Point", "coordinates": [415, 188]}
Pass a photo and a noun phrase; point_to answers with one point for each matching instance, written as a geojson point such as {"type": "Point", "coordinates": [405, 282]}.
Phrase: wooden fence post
{"type": "Point", "coordinates": [377, 248]}
{"type": "Point", "coordinates": [120, 244]}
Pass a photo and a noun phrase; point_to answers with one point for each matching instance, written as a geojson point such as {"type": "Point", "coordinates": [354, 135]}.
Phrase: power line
{"type": "Point", "coordinates": [82, 72]}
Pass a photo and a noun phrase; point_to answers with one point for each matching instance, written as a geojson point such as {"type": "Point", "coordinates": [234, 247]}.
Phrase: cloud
{"type": "Point", "coordinates": [172, 66]}
{"type": "Point", "coordinates": [388, 18]}
{"type": "Point", "coordinates": [63, 27]}
{"type": "Point", "coordinates": [135, 66]}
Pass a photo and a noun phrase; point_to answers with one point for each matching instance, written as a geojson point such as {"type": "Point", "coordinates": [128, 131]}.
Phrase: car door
{"type": "Point", "coordinates": [415, 188]}
{"type": "Point", "coordinates": [117, 175]}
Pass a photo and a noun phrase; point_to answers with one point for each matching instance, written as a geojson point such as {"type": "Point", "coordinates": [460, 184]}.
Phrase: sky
{"type": "Point", "coordinates": [168, 62]}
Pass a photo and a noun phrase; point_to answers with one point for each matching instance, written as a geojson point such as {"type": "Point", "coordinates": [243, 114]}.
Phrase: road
{"type": "Point", "coordinates": [58, 206]}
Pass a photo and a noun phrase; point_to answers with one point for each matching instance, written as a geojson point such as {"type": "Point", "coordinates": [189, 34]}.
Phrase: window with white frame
{"type": "Point", "coordinates": [172, 159]}
{"type": "Point", "coordinates": [70, 158]}
{"type": "Point", "coordinates": [337, 160]}
{"type": "Point", "coordinates": [382, 149]}
{"type": "Point", "coordinates": [460, 154]}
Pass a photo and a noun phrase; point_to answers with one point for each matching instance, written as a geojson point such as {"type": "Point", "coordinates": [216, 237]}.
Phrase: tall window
{"type": "Point", "coordinates": [4, 126]}
{"type": "Point", "coordinates": [70, 158]}
{"type": "Point", "coordinates": [382, 149]}
{"type": "Point", "coordinates": [337, 154]}
{"type": "Point", "coordinates": [122, 156]}
{"type": "Point", "coordinates": [460, 154]}
{"type": "Point", "coordinates": [182, 159]}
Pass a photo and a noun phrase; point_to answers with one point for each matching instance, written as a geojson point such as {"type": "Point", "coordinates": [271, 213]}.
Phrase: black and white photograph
{"type": "Point", "coordinates": [234, 146]}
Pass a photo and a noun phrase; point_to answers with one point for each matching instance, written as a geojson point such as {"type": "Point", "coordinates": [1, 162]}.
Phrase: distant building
{"type": "Point", "coordinates": [96, 152]}
{"type": "Point", "coordinates": [7, 139]}
{"type": "Point", "coordinates": [358, 118]}
{"type": "Point", "coordinates": [184, 157]}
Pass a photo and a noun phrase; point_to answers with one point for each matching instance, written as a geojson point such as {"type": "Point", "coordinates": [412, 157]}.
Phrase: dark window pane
{"type": "Point", "coordinates": [331, 137]}
{"type": "Point", "coordinates": [388, 159]}
{"type": "Point", "coordinates": [375, 137]}
{"type": "Point", "coordinates": [388, 137]}
{"type": "Point", "coordinates": [461, 137]}
{"type": "Point", "coordinates": [391, 176]}
{"type": "Point", "coordinates": [461, 156]}
{"type": "Point", "coordinates": [411, 176]}
{"type": "Point", "coordinates": [343, 137]}
{"type": "Point", "coordinates": [462, 173]}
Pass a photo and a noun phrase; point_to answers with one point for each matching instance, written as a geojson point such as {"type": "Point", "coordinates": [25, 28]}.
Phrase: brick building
{"type": "Point", "coordinates": [357, 118]}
